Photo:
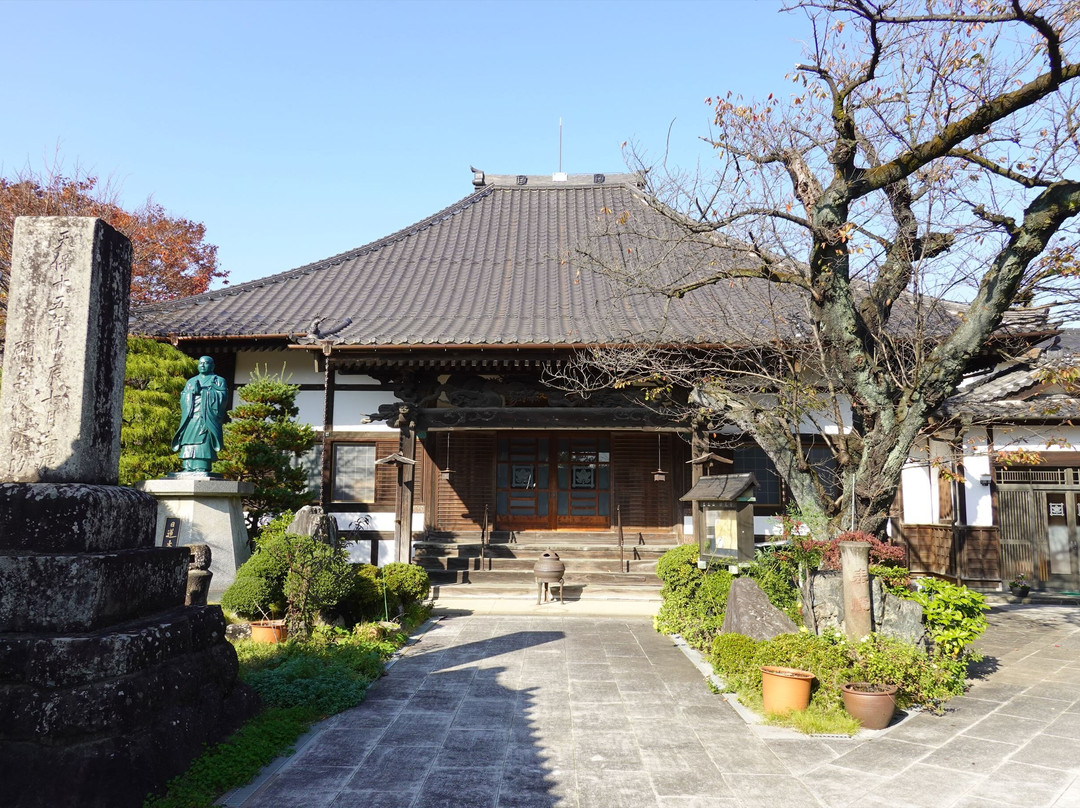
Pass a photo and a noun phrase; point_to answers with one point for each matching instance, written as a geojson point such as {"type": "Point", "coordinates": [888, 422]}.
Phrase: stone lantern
{"type": "Point", "coordinates": [723, 518]}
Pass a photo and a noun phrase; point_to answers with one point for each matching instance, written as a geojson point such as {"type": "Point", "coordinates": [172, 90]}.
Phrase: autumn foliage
{"type": "Point", "coordinates": [170, 258]}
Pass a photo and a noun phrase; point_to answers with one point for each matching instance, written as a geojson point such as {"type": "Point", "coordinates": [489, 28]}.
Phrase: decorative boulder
{"type": "Point", "coordinates": [750, 613]}
{"type": "Point", "coordinates": [823, 609]}
{"type": "Point", "coordinates": [312, 521]}
{"type": "Point", "coordinates": [903, 620]}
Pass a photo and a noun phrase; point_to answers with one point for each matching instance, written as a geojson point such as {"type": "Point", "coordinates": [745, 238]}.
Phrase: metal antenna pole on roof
{"type": "Point", "coordinates": [560, 145]}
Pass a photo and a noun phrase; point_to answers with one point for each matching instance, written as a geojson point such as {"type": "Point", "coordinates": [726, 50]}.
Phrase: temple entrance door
{"type": "Point", "coordinates": [551, 481]}
{"type": "Point", "coordinates": [583, 481]}
{"type": "Point", "coordinates": [522, 483]}
{"type": "Point", "coordinates": [1061, 565]}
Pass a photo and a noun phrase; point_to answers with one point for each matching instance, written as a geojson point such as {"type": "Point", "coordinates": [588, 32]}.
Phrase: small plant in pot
{"type": "Point", "coordinates": [253, 598]}
{"type": "Point", "coordinates": [1019, 586]}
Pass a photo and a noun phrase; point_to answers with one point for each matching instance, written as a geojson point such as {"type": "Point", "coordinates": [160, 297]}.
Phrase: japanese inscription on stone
{"type": "Point", "coordinates": [64, 358]}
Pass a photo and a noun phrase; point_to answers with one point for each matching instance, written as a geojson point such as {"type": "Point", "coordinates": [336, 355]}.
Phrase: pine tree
{"type": "Point", "coordinates": [153, 378]}
{"type": "Point", "coordinates": [262, 442]}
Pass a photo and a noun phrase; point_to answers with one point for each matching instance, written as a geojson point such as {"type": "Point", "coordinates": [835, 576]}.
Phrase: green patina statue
{"type": "Point", "coordinates": [202, 411]}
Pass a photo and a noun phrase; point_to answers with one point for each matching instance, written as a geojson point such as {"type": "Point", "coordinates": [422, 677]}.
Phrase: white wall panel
{"type": "Point", "coordinates": [976, 469]}
{"type": "Point", "coordinates": [310, 405]}
{"type": "Point", "coordinates": [299, 365]}
{"type": "Point", "coordinates": [919, 497]}
{"type": "Point", "coordinates": [350, 406]}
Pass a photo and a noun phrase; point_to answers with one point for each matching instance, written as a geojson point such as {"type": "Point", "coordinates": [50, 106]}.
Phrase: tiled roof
{"type": "Point", "coordinates": [1011, 391]}
{"type": "Point", "coordinates": [505, 265]}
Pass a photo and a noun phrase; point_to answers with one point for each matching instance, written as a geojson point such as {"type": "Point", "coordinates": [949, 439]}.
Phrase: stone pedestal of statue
{"type": "Point", "coordinates": [210, 511]}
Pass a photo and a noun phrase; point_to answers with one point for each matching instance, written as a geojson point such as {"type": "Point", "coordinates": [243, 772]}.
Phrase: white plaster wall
{"type": "Point", "coordinates": [976, 468]}
{"type": "Point", "coordinates": [918, 499]}
{"type": "Point", "coordinates": [350, 407]}
{"type": "Point", "coordinates": [386, 553]}
{"type": "Point", "coordinates": [823, 421]}
{"type": "Point", "coordinates": [374, 520]}
{"type": "Point", "coordinates": [353, 378]}
{"type": "Point", "coordinates": [295, 368]}
{"type": "Point", "coordinates": [768, 526]}
{"type": "Point", "coordinates": [310, 406]}
{"type": "Point", "coordinates": [299, 365]}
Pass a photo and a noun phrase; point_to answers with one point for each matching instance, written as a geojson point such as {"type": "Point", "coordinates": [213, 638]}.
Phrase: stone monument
{"type": "Point", "coordinates": [109, 685]}
{"type": "Point", "coordinates": [854, 565]}
{"type": "Point", "coordinates": [202, 507]}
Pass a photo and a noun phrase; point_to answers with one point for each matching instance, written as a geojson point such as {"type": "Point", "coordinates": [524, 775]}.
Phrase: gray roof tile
{"type": "Point", "coordinates": [502, 266]}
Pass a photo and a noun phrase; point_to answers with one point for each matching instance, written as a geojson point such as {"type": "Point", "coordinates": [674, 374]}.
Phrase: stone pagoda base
{"type": "Point", "coordinates": [109, 686]}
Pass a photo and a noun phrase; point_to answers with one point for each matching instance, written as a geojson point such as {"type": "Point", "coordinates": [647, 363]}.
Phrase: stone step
{"type": "Point", "coordinates": [606, 564]}
{"type": "Point", "coordinates": [560, 538]}
{"type": "Point", "coordinates": [517, 592]}
{"type": "Point", "coordinates": [80, 592]}
{"type": "Point", "coordinates": [526, 578]}
{"type": "Point", "coordinates": [531, 553]}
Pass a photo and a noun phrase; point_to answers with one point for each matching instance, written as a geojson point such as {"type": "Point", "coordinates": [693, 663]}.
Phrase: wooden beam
{"type": "Point", "coordinates": [544, 418]}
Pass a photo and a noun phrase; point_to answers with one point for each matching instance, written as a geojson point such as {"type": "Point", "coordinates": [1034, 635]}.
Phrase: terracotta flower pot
{"type": "Point", "coordinates": [873, 705]}
{"type": "Point", "coordinates": [271, 631]}
{"type": "Point", "coordinates": [785, 689]}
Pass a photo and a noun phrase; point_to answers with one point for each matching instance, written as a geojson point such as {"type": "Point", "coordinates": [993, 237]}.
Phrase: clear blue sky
{"type": "Point", "coordinates": [295, 131]}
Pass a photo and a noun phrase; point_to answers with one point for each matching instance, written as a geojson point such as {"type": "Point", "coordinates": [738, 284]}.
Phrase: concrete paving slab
{"type": "Point", "coordinates": [574, 710]}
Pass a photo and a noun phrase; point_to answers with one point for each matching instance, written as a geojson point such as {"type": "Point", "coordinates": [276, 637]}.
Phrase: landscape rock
{"type": "Point", "coordinates": [312, 521]}
{"type": "Point", "coordinates": [823, 609]}
{"type": "Point", "coordinates": [750, 613]}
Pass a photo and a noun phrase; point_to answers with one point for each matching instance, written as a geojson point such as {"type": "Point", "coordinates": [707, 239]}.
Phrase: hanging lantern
{"type": "Point", "coordinates": [659, 475]}
{"type": "Point", "coordinates": [446, 472]}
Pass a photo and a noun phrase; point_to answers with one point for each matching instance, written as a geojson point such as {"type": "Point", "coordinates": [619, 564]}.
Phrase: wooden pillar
{"type": "Point", "coordinates": [699, 445]}
{"type": "Point", "coordinates": [406, 480]}
{"type": "Point", "coordinates": [328, 427]}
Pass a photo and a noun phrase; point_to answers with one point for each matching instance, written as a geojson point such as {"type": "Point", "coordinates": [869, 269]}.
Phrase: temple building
{"type": "Point", "coordinates": [429, 361]}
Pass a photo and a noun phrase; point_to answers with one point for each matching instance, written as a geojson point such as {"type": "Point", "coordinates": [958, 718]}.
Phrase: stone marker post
{"type": "Point", "coordinates": [64, 352]}
{"type": "Point", "coordinates": [109, 686]}
{"type": "Point", "coordinates": [854, 561]}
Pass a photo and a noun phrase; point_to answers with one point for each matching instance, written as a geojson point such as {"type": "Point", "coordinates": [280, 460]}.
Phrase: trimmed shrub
{"type": "Point", "coordinates": [259, 588]}
{"type": "Point", "coordinates": [408, 582]}
{"type": "Point", "coordinates": [922, 680]}
{"type": "Point", "coordinates": [731, 653]}
{"type": "Point", "coordinates": [693, 600]}
{"type": "Point", "coordinates": [364, 600]}
{"type": "Point", "coordinates": [252, 597]}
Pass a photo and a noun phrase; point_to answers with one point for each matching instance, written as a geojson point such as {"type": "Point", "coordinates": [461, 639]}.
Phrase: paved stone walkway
{"type": "Point", "coordinates": [533, 711]}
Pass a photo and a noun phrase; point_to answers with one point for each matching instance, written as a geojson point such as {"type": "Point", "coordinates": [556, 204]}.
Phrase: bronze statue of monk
{"type": "Point", "coordinates": [202, 411]}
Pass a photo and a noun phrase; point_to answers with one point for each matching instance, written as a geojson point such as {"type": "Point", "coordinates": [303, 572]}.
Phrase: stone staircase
{"type": "Point", "coordinates": [459, 566]}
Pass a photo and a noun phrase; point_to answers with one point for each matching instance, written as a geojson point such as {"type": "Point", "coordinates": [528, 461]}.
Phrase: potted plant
{"type": "Point", "coordinates": [785, 689]}
{"type": "Point", "coordinates": [871, 704]}
{"type": "Point", "coordinates": [1019, 586]}
{"type": "Point", "coordinates": [255, 596]}
{"type": "Point", "coordinates": [268, 630]}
